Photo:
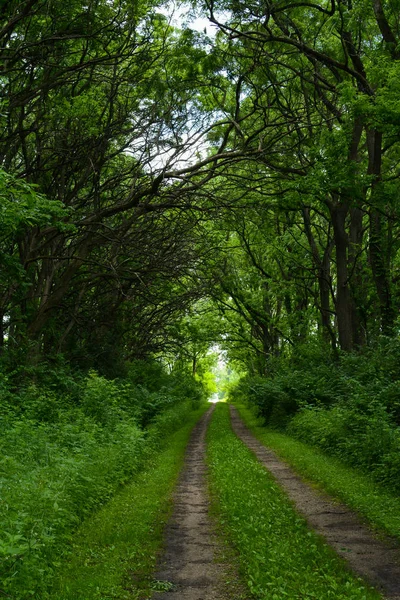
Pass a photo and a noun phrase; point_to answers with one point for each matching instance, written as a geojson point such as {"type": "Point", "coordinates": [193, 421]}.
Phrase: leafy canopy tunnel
{"type": "Point", "coordinates": [157, 181]}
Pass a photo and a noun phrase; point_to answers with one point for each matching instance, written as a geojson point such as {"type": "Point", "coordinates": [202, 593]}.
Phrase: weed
{"type": "Point", "coordinates": [162, 586]}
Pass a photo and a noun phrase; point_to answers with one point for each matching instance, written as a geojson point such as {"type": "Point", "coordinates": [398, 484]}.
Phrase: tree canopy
{"type": "Point", "coordinates": [163, 189]}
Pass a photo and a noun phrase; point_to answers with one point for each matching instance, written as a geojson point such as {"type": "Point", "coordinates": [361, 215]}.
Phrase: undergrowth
{"type": "Point", "coordinates": [114, 552]}
{"type": "Point", "coordinates": [349, 408]}
{"type": "Point", "coordinates": [280, 557]}
{"type": "Point", "coordinates": [66, 449]}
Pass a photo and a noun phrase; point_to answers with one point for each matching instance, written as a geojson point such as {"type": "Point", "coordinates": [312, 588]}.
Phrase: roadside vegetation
{"type": "Point", "coordinates": [337, 421]}
{"type": "Point", "coordinates": [349, 407]}
{"type": "Point", "coordinates": [113, 554]}
{"type": "Point", "coordinates": [379, 506]}
{"type": "Point", "coordinates": [279, 556]}
{"type": "Point", "coordinates": [66, 452]}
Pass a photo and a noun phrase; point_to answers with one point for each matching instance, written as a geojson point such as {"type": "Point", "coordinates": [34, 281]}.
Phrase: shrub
{"type": "Point", "coordinates": [350, 408]}
{"type": "Point", "coordinates": [366, 440]}
{"type": "Point", "coordinates": [149, 374]}
{"type": "Point", "coordinates": [100, 399]}
{"type": "Point", "coordinates": [61, 459]}
{"type": "Point", "coordinates": [278, 398]}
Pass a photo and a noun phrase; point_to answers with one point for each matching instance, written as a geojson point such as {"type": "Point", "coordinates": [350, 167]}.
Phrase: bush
{"type": "Point", "coordinates": [143, 399]}
{"type": "Point", "coordinates": [62, 459]}
{"type": "Point", "coordinates": [277, 399]}
{"type": "Point", "coordinates": [51, 477]}
{"type": "Point", "coordinates": [273, 402]}
{"type": "Point", "coordinates": [350, 408]}
{"type": "Point", "coordinates": [366, 440]}
{"type": "Point", "coordinates": [100, 399]}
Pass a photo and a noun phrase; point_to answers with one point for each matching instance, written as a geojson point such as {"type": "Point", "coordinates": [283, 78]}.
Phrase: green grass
{"type": "Point", "coordinates": [279, 556]}
{"type": "Point", "coordinates": [114, 553]}
{"type": "Point", "coordinates": [378, 506]}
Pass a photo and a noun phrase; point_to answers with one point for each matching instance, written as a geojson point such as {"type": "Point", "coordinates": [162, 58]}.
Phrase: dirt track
{"type": "Point", "coordinates": [192, 553]}
{"type": "Point", "coordinates": [375, 560]}
{"type": "Point", "coordinates": [191, 567]}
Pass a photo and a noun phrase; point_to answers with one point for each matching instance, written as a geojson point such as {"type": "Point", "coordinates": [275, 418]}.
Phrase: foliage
{"type": "Point", "coordinates": [279, 556]}
{"type": "Point", "coordinates": [273, 402]}
{"type": "Point", "coordinates": [292, 385]}
{"type": "Point", "coordinates": [366, 439]}
{"type": "Point", "coordinates": [23, 206]}
{"type": "Point", "coordinates": [256, 169]}
{"type": "Point", "coordinates": [347, 408]}
{"type": "Point", "coordinates": [63, 456]}
{"type": "Point", "coordinates": [149, 390]}
{"type": "Point", "coordinates": [96, 100]}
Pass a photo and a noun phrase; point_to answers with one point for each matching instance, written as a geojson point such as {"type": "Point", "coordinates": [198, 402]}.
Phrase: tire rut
{"type": "Point", "coordinates": [191, 548]}
{"type": "Point", "coordinates": [375, 560]}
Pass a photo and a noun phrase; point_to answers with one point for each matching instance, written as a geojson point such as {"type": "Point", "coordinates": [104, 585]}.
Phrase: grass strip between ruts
{"type": "Point", "coordinates": [279, 556]}
{"type": "Point", "coordinates": [378, 506]}
{"type": "Point", "coordinates": [115, 551]}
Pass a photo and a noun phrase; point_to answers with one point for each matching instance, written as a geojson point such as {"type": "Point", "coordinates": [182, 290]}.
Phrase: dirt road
{"type": "Point", "coordinates": [191, 567]}
{"type": "Point", "coordinates": [378, 561]}
{"type": "Point", "coordinates": [192, 564]}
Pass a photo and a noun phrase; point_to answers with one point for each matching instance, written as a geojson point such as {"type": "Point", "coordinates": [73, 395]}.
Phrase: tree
{"type": "Point", "coordinates": [100, 112]}
{"type": "Point", "coordinates": [310, 80]}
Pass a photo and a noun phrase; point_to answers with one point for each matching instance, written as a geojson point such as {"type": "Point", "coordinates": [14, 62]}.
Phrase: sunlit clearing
{"type": "Point", "coordinates": [221, 374]}
{"type": "Point", "coordinates": [214, 398]}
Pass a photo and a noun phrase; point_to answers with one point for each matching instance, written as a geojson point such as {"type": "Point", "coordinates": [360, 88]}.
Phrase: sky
{"type": "Point", "coordinates": [179, 15]}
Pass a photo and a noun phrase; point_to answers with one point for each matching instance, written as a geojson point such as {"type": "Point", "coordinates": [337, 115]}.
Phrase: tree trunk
{"type": "Point", "coordinates": [344, 310]}
{"type": "Point", "coordinates": [1, 332]}
{"type": "Point", "coordinates": [376, 241]}
{"type": "Point", "coordinates": [356, 284]}
{"type": "Point", "coordinates": [324, 282]}
{"type": "Point", "coordinates": [323, 267]}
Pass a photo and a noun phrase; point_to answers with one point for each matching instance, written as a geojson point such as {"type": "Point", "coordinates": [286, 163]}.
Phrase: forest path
{"type": "Point", "coordinates": [378, 561]}
{"type": "Point", "coordinates": [191, 562]}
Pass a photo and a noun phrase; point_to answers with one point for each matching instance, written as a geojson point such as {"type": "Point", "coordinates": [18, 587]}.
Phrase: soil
{"type": "Point", "coordinates": [193, 564]}
{"type": "Point", "coordinates": [376, 560]}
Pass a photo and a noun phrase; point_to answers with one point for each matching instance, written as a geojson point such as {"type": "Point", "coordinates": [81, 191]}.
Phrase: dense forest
{"type": "Point", "coordinates": [171, 192]}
